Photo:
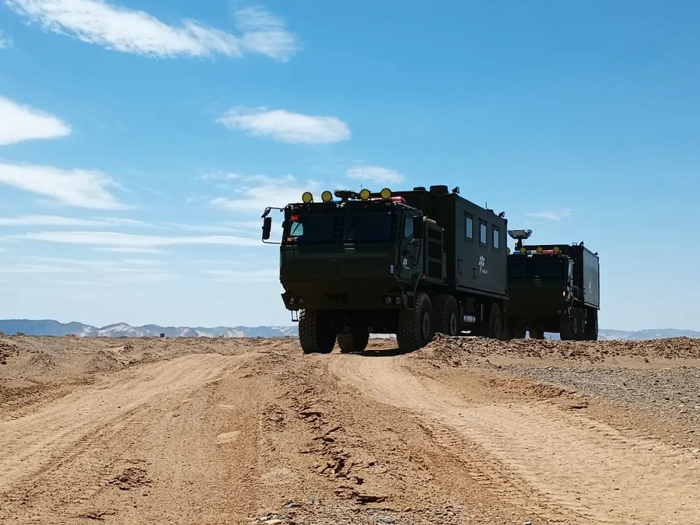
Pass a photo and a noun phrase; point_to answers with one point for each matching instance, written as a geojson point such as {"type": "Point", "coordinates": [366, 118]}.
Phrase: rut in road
{"type": "Point", "coordinates": [575, 463]}
{"type": "Point", "coordinates": [30, 443]}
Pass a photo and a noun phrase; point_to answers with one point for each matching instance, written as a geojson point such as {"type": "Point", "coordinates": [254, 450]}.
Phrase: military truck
{"type": "Point", "coordinates": [552, 288]}
{"type": "Point", "coordinates": [410, 263]}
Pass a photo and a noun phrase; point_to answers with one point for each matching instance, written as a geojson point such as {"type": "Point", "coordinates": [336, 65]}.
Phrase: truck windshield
{"type": "Point", "coordinates": [367, 226]}
{"type": "Point", "coordinates": [547, 267]}
{"type": "Point", "coordinates": [311, 227]}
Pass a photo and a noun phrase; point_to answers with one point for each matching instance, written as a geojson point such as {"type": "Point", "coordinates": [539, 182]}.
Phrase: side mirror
{"type": "Point", "coordinates": [267, 228]}
{"type": "Point", "coordinates": [418, 227]}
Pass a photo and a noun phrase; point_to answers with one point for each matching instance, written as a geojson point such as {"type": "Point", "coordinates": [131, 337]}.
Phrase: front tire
{"type": "Point", "coordinates": [415, 325]}
{"type": "Point", "coordinates": [591, 330]}
{"type": "Point", "coordinates": [316, 334]}
{"type": "Point", "coordinates": [353, 342]}
{"type": "Point", "coordinates": [571, 328]}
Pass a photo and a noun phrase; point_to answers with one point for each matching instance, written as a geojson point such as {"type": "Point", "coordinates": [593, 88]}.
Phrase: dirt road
{"type": "Point", "coordinates": [251, 431]}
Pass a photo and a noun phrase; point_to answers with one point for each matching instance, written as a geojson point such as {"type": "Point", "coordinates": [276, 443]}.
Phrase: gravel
{"type": "Point", "coordinates": [674, 389]}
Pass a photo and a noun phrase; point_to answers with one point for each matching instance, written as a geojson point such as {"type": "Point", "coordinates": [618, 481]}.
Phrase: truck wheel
{"type": "Point", "coordinates": [446, 315]}
{"type": "Point", "coordinates": [536, 333]}
{"type": "Point", "coordinates": [571, 328]}
{"type": "Point", "coordinates": [496, 328]}
{"type": "Point", "coordinates": [353, 342]}
{"type": "Point", "coordinates": [591, 329]}
{"type": "Point", "coordinates": [415, 325]}
{"type": "Point", "coordinates": [515, 332]}
{"type": "Point", "coordinates": [316, 335]}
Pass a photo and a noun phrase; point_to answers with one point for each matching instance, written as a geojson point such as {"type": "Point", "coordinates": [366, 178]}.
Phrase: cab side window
{"type": "Point", "coordinates": [483, 233]}
{"type": "Point", "coordinates": [408, 227]}
{"type": "Point", "coordinates": [496, 238]}
{"type": "Point", "coordinates": [469, 227]}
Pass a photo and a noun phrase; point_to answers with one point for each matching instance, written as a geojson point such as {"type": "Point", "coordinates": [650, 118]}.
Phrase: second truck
{"type": "Point", "coordinates": [552, 288]}
{"type": "Point", "coordinates": [410, 263]}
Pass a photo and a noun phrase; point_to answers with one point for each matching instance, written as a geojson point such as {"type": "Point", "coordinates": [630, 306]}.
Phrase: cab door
{"type": "Point", "coordinates": [409, 267]}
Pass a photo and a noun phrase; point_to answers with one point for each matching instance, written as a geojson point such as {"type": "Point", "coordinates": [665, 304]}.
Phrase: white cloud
{"type": "Point", "coordinates": [551, 215]}
{"type": "Point", "coordinates": [258, 192]}
{"type": "Point", "coordinates": [5, 42]}
{"type": "Point", "coordinates": [132, 31]}
{"type": "Point", "coordinates": [57, 220]}
{"type": "Point", "coordinates": [375, 174]}
{"type": "Point", "coordinates": [80, 188]}
{"type": "Point", "coordinates": [19, 123]}
{"type": "Point", "coordinates": [131, 241]}
{"type": "Point", "coordinates": [285, 126]}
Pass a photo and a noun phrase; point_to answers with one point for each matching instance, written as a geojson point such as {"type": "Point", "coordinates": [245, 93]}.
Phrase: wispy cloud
{"type": "Point", "coordinates": [202, 228]}
{"type": "Point", "coordinates": [130, 249]}
{"type": "Point", "coordinates": [80, 188]}
{"type": "Point", "coordinates": [243, 275]}
{"type": "Point", "coordinates": [131, 31]}
{"type": "Point", "coordinates": [5, 42]}
{"type": "Point", "coordinates": [219, 175]}
{"type": "Point", "coordinates": [285, 126]}
{"type": "Point", "coordinates": [60, 221]}
{"type": "Point", "coordinates": [95, 270]}
{"type": "Point", "coordinates": [375, 174]}
{"type": "Point", "coordinates": [132, 241]}
{"type": "Point", "coordinates": [19, 123]}
{"type": "Point", "coordinates": [258, 192]}
{"type": "Point", "coordinates": [265, 33]}
{"type": "Point", "coordinates": [551, 215]}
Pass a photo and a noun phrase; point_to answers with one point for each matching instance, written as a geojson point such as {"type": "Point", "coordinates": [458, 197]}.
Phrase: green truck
{"type": "Point", "coordinates": [410, 263]}
{"type": "Point", "coordinates": [552, 288]}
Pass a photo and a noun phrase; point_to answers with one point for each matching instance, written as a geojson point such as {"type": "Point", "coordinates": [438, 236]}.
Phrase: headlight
{"type": "Point", "coordinates": [307, 197]}
{"type": "Point", "coordinates": [365, 194]}
{"type": "Point", "coordinates": [326, 196]}
{"type": "Point", "coordinates": [386, 194]}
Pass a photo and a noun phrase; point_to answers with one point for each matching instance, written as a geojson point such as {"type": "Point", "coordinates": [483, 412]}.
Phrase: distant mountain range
{"type": "Point", "coordinates": [54, 328]}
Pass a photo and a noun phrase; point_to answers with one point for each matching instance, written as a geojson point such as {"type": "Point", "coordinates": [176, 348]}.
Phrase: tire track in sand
{"type": "Point", "coordinates": [29, 443]}
{"type": "Point", "coordinates": [574, 463]}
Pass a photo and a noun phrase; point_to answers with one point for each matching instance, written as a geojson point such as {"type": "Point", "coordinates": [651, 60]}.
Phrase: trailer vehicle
{"type": "Point", "coordinates": [553, 288]}
{"type": "Point", "coordinates": [410, 263]}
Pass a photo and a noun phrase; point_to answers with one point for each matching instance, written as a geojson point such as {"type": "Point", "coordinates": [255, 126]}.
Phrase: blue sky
{"type": "Point", "coordinates": [140, 141]}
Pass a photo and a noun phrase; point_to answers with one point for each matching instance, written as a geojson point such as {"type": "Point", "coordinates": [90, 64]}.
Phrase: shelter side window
{"type": "Point", "coordinates": [469, 227]}
{"type": "Point", "coordinates": [483, 233]}
{"type": "Point", "coordinates": [496, 238]}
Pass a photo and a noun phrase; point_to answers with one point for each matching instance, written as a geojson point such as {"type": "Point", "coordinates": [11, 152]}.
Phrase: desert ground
{"type": "Point", "coordinates": [216, 431]}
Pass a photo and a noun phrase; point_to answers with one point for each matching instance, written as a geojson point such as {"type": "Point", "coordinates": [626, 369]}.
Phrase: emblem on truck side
{"type": "Point", "coordinates": [482, 263]}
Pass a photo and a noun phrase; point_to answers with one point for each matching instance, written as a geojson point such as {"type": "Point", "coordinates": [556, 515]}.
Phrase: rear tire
{"type": "Point", "coordinates": [446, 315]}
{"type": "Point", "coordinates": [496, 326]}
{"type": "Point", "coordinates": [516, 332]}
{"type": "Point", "coordinates": [316, 334]}
{"type": "Point", "coordinates": [415, 325]}
{"type": "Point", "coordinates": [353, 342]}
{"type": "Point", "coordinates": [536, 333]}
